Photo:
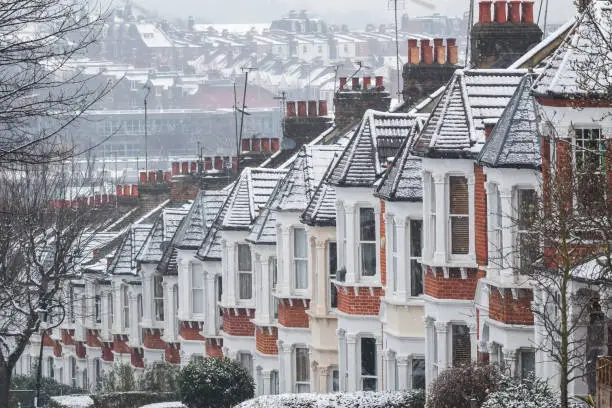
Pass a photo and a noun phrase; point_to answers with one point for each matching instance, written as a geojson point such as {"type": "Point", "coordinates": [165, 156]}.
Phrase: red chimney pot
{"type": "Point", "coordinates": [152, 176]}
{"type": "Point", "coordinates": [426, 52]}
{"type": "Point", "coordinates": [484, 16]}
{"type": "Point", "coordinates": [119, 191]}
{"type": "Point", "coordinates": [355, 84]}
{"type": "Point", "coordinates": [367, 82]}
{"type": "Point", "coordinates": [380, 82]}
{"type": "Point", "coordinates": [342, 83]}
{"type": "Point", "coordinates": [194, 167]}
{"type": "Point", "coordinates": [500, 12]}
{"type": "Point", "coordinates": [134, 190]}
{"type": "Point", "coordinates": [514, 11]}
{"type": "Point", "coordinates": [176, 168]}
{"type": "Point", "coordinates": [185, 167]}
{"type": "Point", "coordinates": [291, 109]}
{"type": "Point", "coordinates": [527, 17]}
{"type": "Point", "coordinates": [143, 177]}
{"type": "Point", "coordinates": [302, 109]}
{"type": "Point", "coordinates": [322, 108]}
{"type": "Point", "coordinates": [312, 108]}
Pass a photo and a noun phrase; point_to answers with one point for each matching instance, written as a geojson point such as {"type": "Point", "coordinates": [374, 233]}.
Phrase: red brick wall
{"type": "Point", "coordinates": [504, 308]}
{"type": "Point", "coordinates": [48, 341]}
{"type": "Point", "coordinates": [91, 339]}
{"type": "Point", "coordinates": [67, 337]}
{"type": "Point", "coordinates": [383, 251]}
{"type": "Point", "coordinates": [452, 288]}
{"type": "Point", "coordinates": [120, 346]}
{"type": "Point", "coordinates": [173, 354]}
{"type": "Point", "coordinates": [80, 350]}
{"type": "Point", "coordinates": [152, 340]}
{"type": "Point", "coordinates": [362, 304]}
{"type": "Point", "coordinates": [57, 349]}
{"type": "Point", "coordinates": [190, 331]}
{"type": "Point", "coordinates": [480, 221]}
{"type": "Point", "coordinates": [213, 350]}
{"type": "Point", "coordinates": [238, 325]}
{"type": "Point", "coordinates": [266, 342]}
{"type": "Point", "coordinates": [137, 359]}
{"type": "Point", "coordinates": [107, 354]}
{"type": "Point", "coordinates": [292, 315]}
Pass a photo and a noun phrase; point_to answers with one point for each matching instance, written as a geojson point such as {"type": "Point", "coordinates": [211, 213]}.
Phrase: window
{"type": "Point", "coordinates": [300, 258]}
{"type": "Point", "coordinates": [334, 378]}
{"type": "Point", "coordinates": [126, 307]}
{"type": "Point", "coordinates": [367, 241]}
{"type": "Point", "coordinates": [497, 240]}
{"type": "Point", "coordinates": [273, 267]}
{"type": "Point", "coordinates": [416, 244]}
{"type": "Point", "coordinates": [246, 360]}
{"type": "Point", "coordinates": [459, 215]}
{"type": "Point", "coordinates": [590, 163]}
{"type": "Point", "coordinates": [72, 301]}
{"type": "Point", "coordinates": [432, 215]}
{"type": "Point", "coordinates": [85, 380]}
{"type": "Point", "coordinates": [245, 274]}
{"type": "Point", "coordinates": [369, 380]}
{"type": "Point", "coordinates": [98, 372]}
{"type": "Point", "coordinates": [50, 371]}
{"type": "Point", "coordinates": [418, 373]}
{"type": "Point", "coordinates": [274, 383]}
{"type": "Point", "coordinates": [332, 262]}
{"type": "Point", "coordinates": [394, 260]}
{"type": "Point", "coordinates": [111, 308]}
{"type": "Point", "coordinates": [139, 311]}
{"type": "Point", "coordinates": [527, 240]}
{"type": "Point", "coordinates": [197, 291]}
{"type": "Point", "coordinates": [98, 308]}
{"type": "Point", "coordinates": [158, 297]}
{"type": "Point", "coordinates": [219, 283]}
{"type": "Point", "coordinates": [461, 345]}
{"type": "Point", "coordinates": [73, 372]}
{"type": "Point", "coordinates": [302, 370]}
{"type": "Point", "coordinates": [527, 362]}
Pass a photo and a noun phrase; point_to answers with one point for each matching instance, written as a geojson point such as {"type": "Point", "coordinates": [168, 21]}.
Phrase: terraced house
{"type": "Point", "coordinates": [372, 257]}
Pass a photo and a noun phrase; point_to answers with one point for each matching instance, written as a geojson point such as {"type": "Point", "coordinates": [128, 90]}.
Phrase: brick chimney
{"type": "Point", "coordinates": [498, 43]}
{"type": "Point", "coordinates": [312, 119]}
{"type": "Point", "coordinates": [350, 106]}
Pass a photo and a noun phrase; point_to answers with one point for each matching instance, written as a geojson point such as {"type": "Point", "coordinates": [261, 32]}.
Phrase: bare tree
{"type": "Point", "coordinates": [42, 96]}
{"type": "Point", "coordinates": [41, 246]}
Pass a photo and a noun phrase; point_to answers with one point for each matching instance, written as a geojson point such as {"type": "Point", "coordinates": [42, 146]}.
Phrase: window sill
{"type": "Point", "coordinates": [373, 284]}
{"type": "Point", "coordinates": [408, 301]}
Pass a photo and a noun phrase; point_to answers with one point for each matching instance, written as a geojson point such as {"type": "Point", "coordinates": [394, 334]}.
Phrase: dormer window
{"type": "Point", "coordinates": [367, 241]}
{"type": "Point", "coordinates": [245, 272]}
{"type": "Point", "coordinates": [458, 214]}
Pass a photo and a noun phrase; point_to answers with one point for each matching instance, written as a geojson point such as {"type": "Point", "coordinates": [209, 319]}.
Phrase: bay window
{"type": "Point", "coordinates": [245, 272]}
{"type": "Point", "coordinates": [369, 378]}
{"type": "Point", "coordinates": [197, 291]}
{"type": "Point", "coordinates": [416, 270]}
{"type": "Point", "coordinates": [459, 219]}
{"type": "Point", "coordinates": [367, 241]}
{"type": "Point", "coordinates": [158, 297]}
{"type": "Point", "coordinates": [300, 258]}
{"type": "Point", "coordinates": [302, 370]}
{"type": "Point", "coordinates": [126, 307]}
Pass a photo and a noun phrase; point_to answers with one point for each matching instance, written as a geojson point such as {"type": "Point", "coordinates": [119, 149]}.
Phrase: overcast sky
{"type": "Point", "coordinates": [356, 13]}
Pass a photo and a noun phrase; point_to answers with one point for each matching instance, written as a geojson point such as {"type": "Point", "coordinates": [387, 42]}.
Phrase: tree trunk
{"type": "Point", "coordinates": [5, 385]}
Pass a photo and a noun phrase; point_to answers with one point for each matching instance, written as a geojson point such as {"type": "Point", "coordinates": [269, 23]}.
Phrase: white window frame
{"type": "Point", "coordinates": [376, 364]}
{"type": "Point", "coordinates": [332, 275]}
{"type": "Point", "coordinates": [303, 385]}
{"type": "Point", "coordinates": [125, 307]}
{"type": "Point", "coordinates": [417, 258]}
{"type": "Point", "coordinates": [432, 216]}
{"type": "Point", "coordinates": [197, 291]}
{"type": "Point", "coordinates": [496, 223]}
{"type": "Point", "coordinates": [518, 231]}
{"type": "Point", "coordinates": [246, 360]}
{"type": "Point", "coordinates": [451, 216]}
{"type": "Point", "coordinates": [158, 299]}
{"type": "Point", "coordinates": [300, 260]}
{"type": "Point", "coordinates": [363, 243]}
{"type": "Point", "coordinates": [244, 272]}
{"type": "Point", "coordinates": [394, 246]}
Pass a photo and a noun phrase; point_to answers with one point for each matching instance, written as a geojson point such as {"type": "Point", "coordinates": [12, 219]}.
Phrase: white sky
{"type": "Point", "coordinates": [356, 13]}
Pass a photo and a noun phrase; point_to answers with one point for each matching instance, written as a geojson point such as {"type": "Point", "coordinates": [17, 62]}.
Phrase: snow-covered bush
{"type": "Point", "coordinates": [413, 399]}
{"type": "Point", "coordinates": [48, 387]}
{"type": "Point", "coordinates": [215, 383]}
{"type": "Point", "coordinates": [71, 401]}
{"type": "Point", "coordinates": [120, 378]}
{"type": "Point", "coordinates": [456, 387]}
{"type": "Point", "coordinates": [160, 377]}
{"type": "Point", "coordinates": [527, 393]}
{"type": "Point", "coordinates": [131, 399]}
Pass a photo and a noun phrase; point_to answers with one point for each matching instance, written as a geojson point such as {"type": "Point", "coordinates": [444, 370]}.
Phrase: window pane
{"type": "Point", "coordinates": [273, 266]}
{"type": "Point", "coordinates": [302, 365]}
{"type": "Point", "coordinates": [158, 288]}
{"type": "Point", "coordinates": [368, 259]}
{"type": "Point", "coordinates": [335, 381]}
{"type": "Point", "coordinates": [301, 274]}
{"type": "Point", "coordinates": [333, 258]}
{"type": "Point", "coordinates": [367, 224]}
{"type": "Point", "coordinates": [416, 277]}
{"type": "Point", "coordinates": [369, 384]}
{"type": "Point", "coordinates": [197, 301]}
{"type": "Point", "coordinates": [368, 356]}
{"type": "Point", "coordinates": [527, 201]}
{"type": "Point", "coordinates": [246, 360]}
{"type": "Point", "coordinates": [300, 244]}
{"type": "Point", "coordinates": [458, 196]}
{"type": "Point", "coordinates": [246, 286]}
{"type": "Point", "coordinates": [394, 235]}
{"type": "Point", "coordinates": [274, 383]}
{"type": "Point", "coordinates": [461, 345]}
{"type": "Point", "coordinates": [460, 230]}
{"type": "Point", "coordinates": [418, 374]}
{"type": "Point", "coordinates": [244, 258]}
{"type": "Point", "coordinates": [333, 296]}
{"type": "Point", "coordinates": [416, 234]}
{"type": "Point", "coordinates": [527, 363]}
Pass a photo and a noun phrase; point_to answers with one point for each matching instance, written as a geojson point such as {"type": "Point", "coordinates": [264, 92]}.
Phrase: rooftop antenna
{"type": "Point", "coordinates": [396, 4]}
{"type": "Point", "coordinates": [359, 67]}
{"type": "Point", "coordinates": [468, 46]}
{"type": "Point", "coordinates": [243, 112]}
{"type": "Point", "coordinates": [336, 69]}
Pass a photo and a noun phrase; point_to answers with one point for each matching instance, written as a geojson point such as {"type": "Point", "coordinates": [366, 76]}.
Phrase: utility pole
{"type": "Point", "coordinates": [148, 88]}
{"type": "Point", "coordinates": [243, 112]}
{"type": "Point", "coordinates": [468, 46]}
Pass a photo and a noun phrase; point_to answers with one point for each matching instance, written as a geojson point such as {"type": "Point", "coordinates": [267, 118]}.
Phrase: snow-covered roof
{"type": "Point", "coordinates": [404, 180]}
{"type": "Point", "coordinates": [456, 126]}
{"type": "Point", "coordinates": [264, 228]}
{"type": "Point", "coordinates": [542, 49]}
{"type": "Point", "coordinates": [321, 209]}
{"type": "Point", "coordinates": [124, 261]}
{"type": "Point", "coordinates": [365, 157]}
{"type": "Point", "coordinates": [163, 231]}
{"type": "Point", "coordinates": [200, 218]}
{"type": "Point", "coordinates": [249, 195]}
{"type": "Point", "coordinates": [580, 66]}
{"type": "Point", "coordinates": [152, 36]}
{"type": "Point", "coordinates": [515, 139]}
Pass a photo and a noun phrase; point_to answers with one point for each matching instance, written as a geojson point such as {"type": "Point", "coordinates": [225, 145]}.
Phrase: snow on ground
{"type": "Point", "coordinates": [74, 401]}
{"type": "Point", "coordinates": [338, 400]}
{"type": "Point", "coordinates": [174, 404]}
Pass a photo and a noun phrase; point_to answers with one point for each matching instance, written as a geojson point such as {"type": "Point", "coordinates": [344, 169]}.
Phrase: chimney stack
{"type": "Point", "coordinates": [484, 16]}
{"type": "Point", "coordinates": [527, 12]}
{"type": "Point", "coordinates": [291, 109]}
{"type": "Point", "coordinates": [413, 52]}
{"type": "Point", "coordinates": [514, 11]}
{"type": "Point", "coordinates": [500, 12]}
{"type": "Point", "coordinates": [426, 52]}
